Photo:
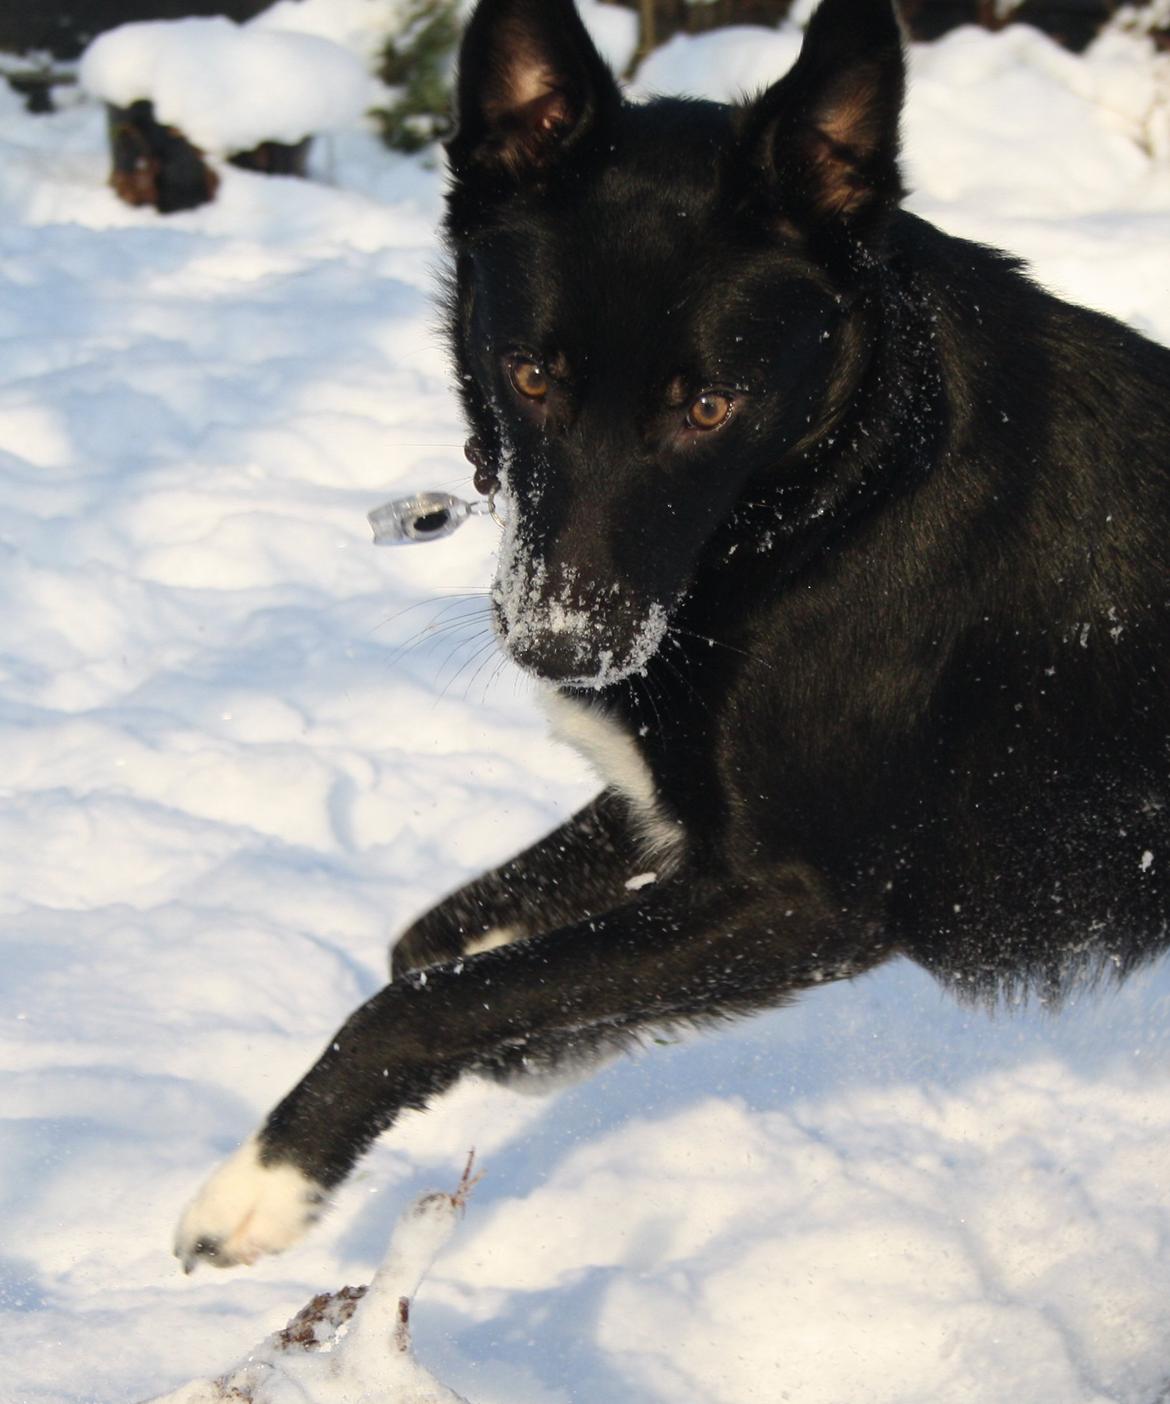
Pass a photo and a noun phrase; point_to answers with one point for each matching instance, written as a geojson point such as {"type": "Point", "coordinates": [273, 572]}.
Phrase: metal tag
{"type": "Point", "coordinates": [424, 516]}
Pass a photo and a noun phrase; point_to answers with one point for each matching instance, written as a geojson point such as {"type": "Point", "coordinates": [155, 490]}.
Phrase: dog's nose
{"type": "Point", "coordinates": [555, 657]}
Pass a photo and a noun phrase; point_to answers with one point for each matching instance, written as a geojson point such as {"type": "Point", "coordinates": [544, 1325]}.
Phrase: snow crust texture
{"type": "Point", "coordinates": [240, 748]}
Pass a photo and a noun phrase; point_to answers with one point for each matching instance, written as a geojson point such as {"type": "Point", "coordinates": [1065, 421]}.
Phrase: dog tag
{"type": "Point", "coordinates": [424, 516]}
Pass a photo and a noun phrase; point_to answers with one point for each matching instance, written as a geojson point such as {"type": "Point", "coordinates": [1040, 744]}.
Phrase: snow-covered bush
{"type": "Point", "coordinates": [228, 87]}
{"type": "Point", "coordinates": [179, 89]}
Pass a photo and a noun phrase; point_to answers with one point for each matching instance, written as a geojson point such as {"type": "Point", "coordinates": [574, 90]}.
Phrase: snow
{"type": "Point", "coordinates": [359, 25]}
{"type": "Point", "coordinates": [725, 64]}
{"type": "Point", "coordinates": [240, 748]}
{"type": "Point", "coordinates": [228, 87]}
{"type": "Point", "coordinates": [613, 29]}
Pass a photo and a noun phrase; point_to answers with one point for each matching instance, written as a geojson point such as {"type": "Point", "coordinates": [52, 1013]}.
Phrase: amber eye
{"type": "Point", "coordinates": [529, 379]}
{"type": "Point", "coordinates": [709, 410]}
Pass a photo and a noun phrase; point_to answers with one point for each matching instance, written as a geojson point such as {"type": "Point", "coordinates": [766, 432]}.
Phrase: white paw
{"type": "Point", "coordinates": [246, 1210]}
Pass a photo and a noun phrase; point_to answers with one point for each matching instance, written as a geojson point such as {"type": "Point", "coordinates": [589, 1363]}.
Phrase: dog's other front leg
{"type": "Point", "coordinates": [577, 871]}
{"type": "Point", "coordinates": [676, 953]}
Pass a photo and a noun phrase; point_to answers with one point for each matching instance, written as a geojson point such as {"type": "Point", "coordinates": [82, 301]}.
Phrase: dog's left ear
{"type": "Point", "coordinates": [825, 137]}
{"type": "Point", "coordinates": [531, 85]}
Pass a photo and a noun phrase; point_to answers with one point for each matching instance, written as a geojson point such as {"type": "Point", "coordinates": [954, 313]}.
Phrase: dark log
{"type": "Point", "coordinates": [275, 158]}
{"type": "Point", "coordinates": [1073, 23]}
{"type": "Point", "coordinates": [677, 16]}
{"type": "Point", "coordinates": [36, 84]}
{"type": "Point", "coordinates": [156, 165]}
{"type": "Point", "coordinates": [63, 28]}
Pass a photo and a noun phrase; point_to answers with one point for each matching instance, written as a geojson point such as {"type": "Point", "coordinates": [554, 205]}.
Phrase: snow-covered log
{"type": "Point", "coordinates": [181, 90]}
{"type": "Point", "coordinates": [352, 1346]}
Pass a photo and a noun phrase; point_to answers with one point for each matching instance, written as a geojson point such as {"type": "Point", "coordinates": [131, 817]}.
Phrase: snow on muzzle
{"type": "Point", "coordinates": [565, 628]}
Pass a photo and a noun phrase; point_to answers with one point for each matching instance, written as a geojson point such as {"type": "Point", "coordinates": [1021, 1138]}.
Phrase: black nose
{"type": "Point", "coordinates": [556, 657]}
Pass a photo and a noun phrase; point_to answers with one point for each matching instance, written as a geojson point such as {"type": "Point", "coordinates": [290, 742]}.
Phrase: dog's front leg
{"type": "Point", "coordinates": [577, 871]}
{"type": "Point", "coordinates": [678, 953]}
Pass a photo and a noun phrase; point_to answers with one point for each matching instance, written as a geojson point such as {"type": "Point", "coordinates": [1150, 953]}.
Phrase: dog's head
{"type": "Point", "coordinates": [653, 307]}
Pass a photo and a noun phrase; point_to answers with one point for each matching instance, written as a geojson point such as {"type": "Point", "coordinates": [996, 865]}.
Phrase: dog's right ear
{"type": "Point", "coordinates": [824, 138]}
{"type": "Point", "coordinates": [531, 85]}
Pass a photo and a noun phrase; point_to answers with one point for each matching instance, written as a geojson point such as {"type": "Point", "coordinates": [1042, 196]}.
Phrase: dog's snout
{"type": "Point", "coordinates": [588, 640]}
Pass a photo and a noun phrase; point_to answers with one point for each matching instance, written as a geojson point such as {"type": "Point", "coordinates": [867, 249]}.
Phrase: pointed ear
{"type": "Point", "coordinates": [825, 137]}
{"type": "Point", "coordinates": [531, 84]}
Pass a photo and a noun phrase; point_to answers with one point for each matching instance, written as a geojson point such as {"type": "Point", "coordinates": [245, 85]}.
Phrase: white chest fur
{"type": "Point", "coordinates": [619, 763]}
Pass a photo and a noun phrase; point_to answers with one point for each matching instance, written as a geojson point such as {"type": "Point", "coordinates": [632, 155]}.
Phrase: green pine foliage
{"type": "Point", "coordinates": [417, 60]}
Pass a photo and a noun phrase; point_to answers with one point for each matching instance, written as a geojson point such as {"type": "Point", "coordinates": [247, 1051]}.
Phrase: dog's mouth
{"type": "Point", "coordinates": [567, 630]}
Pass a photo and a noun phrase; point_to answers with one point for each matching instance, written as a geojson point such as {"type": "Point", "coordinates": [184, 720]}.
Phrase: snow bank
{"type": "Point", "coordinates": [241, 747]}
{"type": "Point", "coordinates": [359, 25]}
{"type": "Point", "coordinates": [614, 30]}
{"type": "Point", "coordinates": [725, 65]}
{"type": "Point", "coordinates": [228, 87]}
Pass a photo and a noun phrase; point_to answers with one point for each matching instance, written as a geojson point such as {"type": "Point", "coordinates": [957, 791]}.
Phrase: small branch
{"type": "Point", "coordinates": [402, 1330]}
{"type": "Point", "coordinates": [466, 1183]}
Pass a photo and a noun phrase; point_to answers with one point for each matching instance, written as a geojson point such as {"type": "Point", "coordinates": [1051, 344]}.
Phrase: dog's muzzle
{"type": "Point", "coordinates": [592, 644]}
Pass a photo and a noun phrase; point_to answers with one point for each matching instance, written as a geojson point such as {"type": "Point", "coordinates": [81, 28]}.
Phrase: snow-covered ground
{"type": "Point", "coordinates": [240, 747]}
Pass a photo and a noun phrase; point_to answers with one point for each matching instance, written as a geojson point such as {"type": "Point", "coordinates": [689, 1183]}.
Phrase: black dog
{"type": "Point", "coordinates": [844, 548]}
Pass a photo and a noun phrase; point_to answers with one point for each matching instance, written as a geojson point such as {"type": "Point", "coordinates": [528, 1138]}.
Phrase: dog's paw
{"type": "Point", "coordinates": [247, 1209]}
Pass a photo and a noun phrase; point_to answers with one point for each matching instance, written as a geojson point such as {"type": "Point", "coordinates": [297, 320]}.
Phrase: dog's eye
{"type": "Point", "coordinates": [709, 410]}
{"type": "Point", "coordinates": [529, 379]}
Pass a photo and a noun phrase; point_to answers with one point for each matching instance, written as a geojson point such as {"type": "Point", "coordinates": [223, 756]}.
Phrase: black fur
{"type": "Point", "coordinates": [893, 641]}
